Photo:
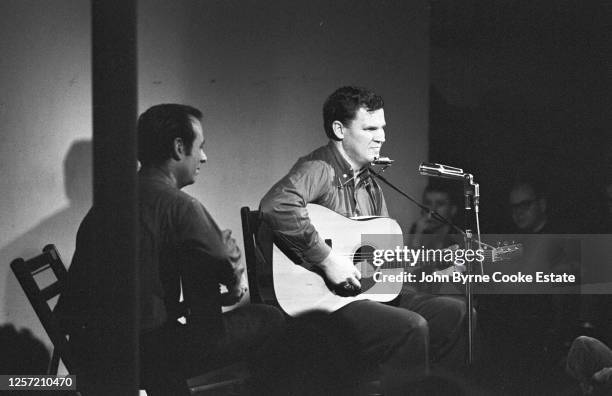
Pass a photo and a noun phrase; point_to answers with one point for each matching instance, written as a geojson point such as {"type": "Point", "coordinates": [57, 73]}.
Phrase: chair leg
{"type": "Point", "coordinates": [53, 363]}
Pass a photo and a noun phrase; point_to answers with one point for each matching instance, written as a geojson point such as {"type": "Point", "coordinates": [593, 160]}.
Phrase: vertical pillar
{"type": "Point", "coordinates": [114, 78]}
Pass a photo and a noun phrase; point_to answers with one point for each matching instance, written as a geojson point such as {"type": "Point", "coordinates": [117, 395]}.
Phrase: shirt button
{"type": "Point", "coordinates": [345, 175]}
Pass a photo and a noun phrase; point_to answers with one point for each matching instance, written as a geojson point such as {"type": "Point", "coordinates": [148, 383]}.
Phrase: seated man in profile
{"type": "Point", "coordinates": [401, 340]}
{"type": "Point", "coordinates": [180, 246]}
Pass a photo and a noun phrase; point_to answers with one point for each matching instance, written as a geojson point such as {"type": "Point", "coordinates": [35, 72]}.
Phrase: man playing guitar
{"type": "Point", "coordinates": [402, 340]}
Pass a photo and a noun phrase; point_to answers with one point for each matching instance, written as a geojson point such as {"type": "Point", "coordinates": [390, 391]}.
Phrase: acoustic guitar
{"type": "Point", "coordinates": [299, 288]}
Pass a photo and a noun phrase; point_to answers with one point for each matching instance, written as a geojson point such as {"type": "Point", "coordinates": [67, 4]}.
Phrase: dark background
{"type": "Point", "coordinates": [523, 88]}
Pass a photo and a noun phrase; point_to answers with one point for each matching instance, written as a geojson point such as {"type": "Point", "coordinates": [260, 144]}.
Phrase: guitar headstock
{"type": "Point", "coordinates": [505, 251]}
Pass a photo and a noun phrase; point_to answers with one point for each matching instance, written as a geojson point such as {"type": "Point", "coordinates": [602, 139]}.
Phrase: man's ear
{"type": "Point", "coordinates": [178, 149]}
{"type": "Point", "coordinates": [338, 129]}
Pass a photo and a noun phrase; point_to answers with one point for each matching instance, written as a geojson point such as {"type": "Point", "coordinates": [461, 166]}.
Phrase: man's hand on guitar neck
{"type": "Point", "coordinates": [340, 272]}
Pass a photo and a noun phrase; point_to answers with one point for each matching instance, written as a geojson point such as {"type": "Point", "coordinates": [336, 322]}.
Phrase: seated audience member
{"type": "Point", "coordinates": [432, 233]}
{"type": "Point", "coordinates": [180, 245]}
{"type": "Point", "coordinates": [529, 204]}
{"type": "Point", "coordinates": [548, 317]}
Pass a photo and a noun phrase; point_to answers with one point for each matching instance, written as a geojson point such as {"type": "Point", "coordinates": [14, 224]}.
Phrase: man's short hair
{"type": "Point", "coordinates": [343, 104]}
{"type": "Point", "coordinates": [159, 126]}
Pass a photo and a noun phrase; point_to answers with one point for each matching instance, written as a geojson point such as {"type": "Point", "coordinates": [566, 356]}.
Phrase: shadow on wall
{"type": "Point", "coordinates": [22, 353]}
{"type": "Point", "coordinates": [60, 228]}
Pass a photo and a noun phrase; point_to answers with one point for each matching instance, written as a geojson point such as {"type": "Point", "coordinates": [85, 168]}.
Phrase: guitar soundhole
{"type": "Point", "coordinates": [362, 258]}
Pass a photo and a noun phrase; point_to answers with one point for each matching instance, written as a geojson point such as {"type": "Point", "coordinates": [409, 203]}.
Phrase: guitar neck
{"type": "Point", "coordinates": [419, 259]}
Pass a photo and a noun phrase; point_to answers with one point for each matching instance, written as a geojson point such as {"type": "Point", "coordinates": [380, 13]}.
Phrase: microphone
{"type": "Point", "coordinates": [444, 171]}
{"type": "Point", "coordinates": [385, 161]}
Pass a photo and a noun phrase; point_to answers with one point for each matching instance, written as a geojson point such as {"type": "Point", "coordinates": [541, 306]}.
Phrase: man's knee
{"type": "Point", "coordinates": [415, 328]}
{"type": "Point", "coordinates": [454, 309]}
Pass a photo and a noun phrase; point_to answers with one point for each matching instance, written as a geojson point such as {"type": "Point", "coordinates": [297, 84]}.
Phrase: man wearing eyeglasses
{"type": "Point", "coordinates": [528, 206]}
{"type": "Point", "coordinates": [547, 319]}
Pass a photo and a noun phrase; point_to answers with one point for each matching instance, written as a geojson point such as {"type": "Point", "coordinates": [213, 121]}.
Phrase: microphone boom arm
{"type": "Point", "coordinates": [432, 212]}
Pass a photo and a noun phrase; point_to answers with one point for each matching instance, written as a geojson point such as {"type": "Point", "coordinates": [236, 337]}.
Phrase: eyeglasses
{"type": "Point", "coordinates": [522, 206]}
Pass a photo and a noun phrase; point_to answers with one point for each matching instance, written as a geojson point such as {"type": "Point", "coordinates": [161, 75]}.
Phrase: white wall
{"type": "Point", "coordinates": [45, 109]}
{"type": "Point", "coordinates": [259, 70]}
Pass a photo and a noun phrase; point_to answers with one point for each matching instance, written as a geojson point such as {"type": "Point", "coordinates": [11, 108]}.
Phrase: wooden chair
{"type": "Point", "coordinates": [48, 268]}
{"type": "Point", "coordinates": [258, 257]}
{"type": "Point", "coordinates": [43, 278]}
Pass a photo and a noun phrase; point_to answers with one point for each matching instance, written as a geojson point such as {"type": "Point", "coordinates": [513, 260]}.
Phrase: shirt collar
{"type": "Point", "coordinates": [364, 176]}
{"type": "Point", "coordinates": [342, 163]}
{"type": "Point", "coordinates": [157, 174]}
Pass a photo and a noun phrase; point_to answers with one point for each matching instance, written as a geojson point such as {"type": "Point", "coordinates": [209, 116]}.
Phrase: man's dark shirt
{"type": "Point", "coordinates": [177, 237]}
{"type": "Point", "coordinates": [325, 178]}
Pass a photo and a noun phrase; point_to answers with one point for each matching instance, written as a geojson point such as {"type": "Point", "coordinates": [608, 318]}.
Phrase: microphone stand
{"type": "Point", "coordinates": [430, 211]}
{"type": "Point", "coordinates": [472, 199]}
{"type": "Point", "coordinates": [471, 192]}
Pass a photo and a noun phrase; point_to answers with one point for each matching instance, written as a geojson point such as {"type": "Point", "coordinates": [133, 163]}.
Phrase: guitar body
{"type": "Point", "coordinates": [300, 290]}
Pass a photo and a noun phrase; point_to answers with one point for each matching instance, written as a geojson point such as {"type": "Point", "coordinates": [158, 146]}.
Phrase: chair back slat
{"type": "Point", "coordinates": [37, 264]}
{"type": "Point", "coordinates": [51, 291]}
